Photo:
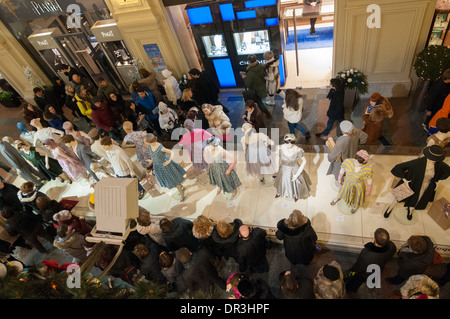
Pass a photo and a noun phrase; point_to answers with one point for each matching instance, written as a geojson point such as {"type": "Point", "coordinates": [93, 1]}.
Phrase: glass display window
{"type": "Point", "coordinates": [215, 45]}
{"type": "Point", "coordinates": [252, 42]}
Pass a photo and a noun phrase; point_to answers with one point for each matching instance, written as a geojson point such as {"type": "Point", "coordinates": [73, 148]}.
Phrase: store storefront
{"type": "Point", "coordinates": [226, 33]}
{"type": "Point", "coordinates": [56, 32]}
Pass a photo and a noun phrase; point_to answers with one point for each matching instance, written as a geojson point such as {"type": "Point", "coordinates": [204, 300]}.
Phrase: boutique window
{"type": "Point", "coordinates": [252, 42]}
{"type": "Point", "coordinates": [215, 45]}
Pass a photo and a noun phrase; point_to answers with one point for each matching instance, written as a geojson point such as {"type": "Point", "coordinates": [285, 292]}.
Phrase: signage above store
{"type": "Point", "coordinates": [23, 10]}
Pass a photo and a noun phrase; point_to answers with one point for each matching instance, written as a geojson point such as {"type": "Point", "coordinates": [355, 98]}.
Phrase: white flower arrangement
{"type": "Point", "coordinates": [354, 79]}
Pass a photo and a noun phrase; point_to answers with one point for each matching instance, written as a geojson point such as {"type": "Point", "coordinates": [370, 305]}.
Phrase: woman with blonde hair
{"type": "Point", "coordinates": [298, 236]}
{"type": "Point", "coordinates": [226, 235]}
{"type": "Point", "coordinates": [219, 122]}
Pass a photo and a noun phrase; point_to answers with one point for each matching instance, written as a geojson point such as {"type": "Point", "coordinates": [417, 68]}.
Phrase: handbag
{"type": "Point", "coordinates": [402, 191]}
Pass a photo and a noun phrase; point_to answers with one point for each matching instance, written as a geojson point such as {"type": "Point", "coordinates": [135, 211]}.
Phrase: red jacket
{"type": "Point", "coordinates": [103, 117]}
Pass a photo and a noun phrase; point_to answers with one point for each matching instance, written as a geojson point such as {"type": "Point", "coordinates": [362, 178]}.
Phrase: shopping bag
{"type": "Point", "coordinates": [440, 211]}
{"type": "Point", "coordinates": [151, 185]}
{"type": "Point", "coordinates": [402, 191]}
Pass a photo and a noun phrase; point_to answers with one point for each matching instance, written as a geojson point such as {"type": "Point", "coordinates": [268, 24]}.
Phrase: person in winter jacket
{"type": "Point", "coordinates": [219, 122]}
{"type": "Point", "coordinates": [374, 116]}
{"type": "Point", "coordinates": [298, 236]}
{"type": "Point", "coordinates": [104, 119]}
{"type": "Point", "coordinates": [336, 111]}
{"type": "Point", "coordinates": [204, 89]}
{"type": "Point", "coordinates": [177, 233]}
{"type": "Point", "coordinates": [251, 250]}
{"type": "Point", "coordinates": [202, 229]}
{"type": "Point", "coordinates": [71, 243]}
{"type": "Point", "coordinates": [272, 76]}
{"type": "Point", "coordinates": [27, 225]}
{"type": "Point", "coordinates": [436, 96]}
{"type": "Point", "coordinates": [171, 86]}
{"type": "Point", "coordinates": [378, 252]}
{"type": "Point", "coordinates": [73, 222]}
{"type": "Point", "coordinates": [254, 79]}
{"type": "Point", "coordinates": [8, 196]}
{"type": "Point", "coordinates": [149, 261]}
{"type": "Point", "coordinates": [293, 111]}
{"type": "Point", "coordinates": [329, 282]}
{"type": "Point", "coordinates": [199, 271]}
{"type": "Point", "coordinates": [168, 118]}
{"type": "Point", "coordinates": [105, 88]}
{"type": "Point", "coordinates": [413, 258]}
{"type": "Point", "coordinates": [226, 235]}
{"type": "Point", "coordinates": [253, 115]}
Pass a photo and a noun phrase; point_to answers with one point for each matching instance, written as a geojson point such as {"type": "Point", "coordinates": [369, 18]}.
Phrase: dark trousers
{"type": "Point", "coordinates": [32, 238]}
{"type": "Point", "coordinates": [155, 126]}
{"type": "Point", "coordinates": [330, 124]}
{"type": "Point", "coordinates": [261, 105]}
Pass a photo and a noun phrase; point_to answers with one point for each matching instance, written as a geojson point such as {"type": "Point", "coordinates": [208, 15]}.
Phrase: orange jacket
{"type": "Point", "coordinates": [443, 112]}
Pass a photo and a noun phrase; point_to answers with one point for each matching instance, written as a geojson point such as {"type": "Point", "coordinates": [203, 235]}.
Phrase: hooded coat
{"type": "Point", "coordinates": [299, 243]}
{"type": "Point", "coordinates": [255, 79]}
{"type": "Point", "coordinates": [72, 244]}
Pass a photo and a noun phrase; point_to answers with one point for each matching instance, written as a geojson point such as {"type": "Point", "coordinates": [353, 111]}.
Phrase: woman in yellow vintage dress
{"type": "Point", "coordinates": [357, 173]}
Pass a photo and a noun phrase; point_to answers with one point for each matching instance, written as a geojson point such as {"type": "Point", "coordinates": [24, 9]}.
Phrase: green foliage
{"type": "Point", "coordinates": [6, 95]}
{"type": "Point", "coordinates": [432, 62]}
{"type": "Point", "coordinates": [354, 79]}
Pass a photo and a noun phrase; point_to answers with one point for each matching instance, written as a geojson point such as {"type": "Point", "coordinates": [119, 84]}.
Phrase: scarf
{"type": "Point", "coordinates": [251, 65]}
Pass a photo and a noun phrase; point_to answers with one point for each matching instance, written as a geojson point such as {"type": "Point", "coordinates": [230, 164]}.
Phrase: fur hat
{"type": "Point", "coordinates": [62, 215]}
{"type": "Point", "coordinates": [330, 272]}
{"type": "Point", "coordinates": [162, 107]}
{"type": "Point", "coordinates": [203, 227]}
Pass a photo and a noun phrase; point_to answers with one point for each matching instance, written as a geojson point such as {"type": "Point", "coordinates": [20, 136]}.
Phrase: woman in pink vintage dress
{"type": "Point", "coordinates": [67, 159]}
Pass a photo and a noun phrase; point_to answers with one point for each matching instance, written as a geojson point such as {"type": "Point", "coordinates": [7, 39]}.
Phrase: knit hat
{"type": "Point", "coordinates": [162, 107]}
{"type": "Point", "coordinates": [62, 215]}
{"type": "Point", "coordinates": [346, 126]}
{"type": "Point", "coordinates": [330, 272]}
{"type": "Point", "coordinates": [268, 55]}
{"type": "Point", "coordinates": [166, 73]}
{"type": "Point", "coordinates": [95, 100]}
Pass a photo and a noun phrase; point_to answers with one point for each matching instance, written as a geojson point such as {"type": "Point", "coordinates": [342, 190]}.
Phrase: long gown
{"type": "Point", "coordinates": [73, 167]}
{"type": "Point", "coordinates": [38, 161]}
{"type": "Point", "coordinates": [168, 176]}
{"type": "Point", "coordinates": [217, 169]}
{"type": "Point", "coordinates": [299, 188]}
{"type": "Point", "coordinates": [259, 159]}
{"type": "Point", "coordinates": [353, 191]}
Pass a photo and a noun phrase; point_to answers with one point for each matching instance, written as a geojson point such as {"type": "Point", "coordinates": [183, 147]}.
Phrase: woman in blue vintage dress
{"type": "Point", "coordinates": [168, 173]}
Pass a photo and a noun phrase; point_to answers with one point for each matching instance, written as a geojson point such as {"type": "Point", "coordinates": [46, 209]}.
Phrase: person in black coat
{"type": "Point", "coordinates": [27, 225]}
{"type": "Point", "coordinates": [413, 258]}
{"type": "Point", "coordinates": [415, 172]}
{"type": "Point", "coordinates": [177, 233]}
{"type": "Point", "coordinates": [435, 96]}
{"type": "Point", "coordinates": [199, 271]}
{"type": "Point", "coordinates": [202, 230]}
{"type": "Point", "coordinates": [28, 195]}
{"type": "Point", "coordinates": [254, 289]}
{"type": "Point", "coordinates": [8, 196]}
{"type": "Point", "coordinates": [204, 90]}
{"type": "Point", "coordinates": [149, 261]}
{"type": "Point", "coordinates": [226, 235]}
{"type": "Point", "coordinates": [378, 252]}
{"type": "Point", "coordinates": [251, 250]}
{"type": "Point", "coordinates": [299, 238]}
{"type": "Point", "coordinates": [336, 111]}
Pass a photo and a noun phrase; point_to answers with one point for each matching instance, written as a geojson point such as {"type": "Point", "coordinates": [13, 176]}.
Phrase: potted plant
{"type": "Point", "coordinates": [8, 99]}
